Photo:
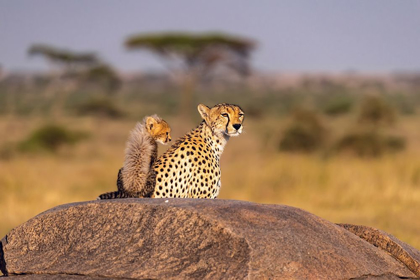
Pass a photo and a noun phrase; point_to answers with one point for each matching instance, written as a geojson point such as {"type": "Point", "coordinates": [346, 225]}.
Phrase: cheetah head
{"type": "Point", "coordinates": [223, 118]}
{"type": "Point", "coordinates": [158, 129]}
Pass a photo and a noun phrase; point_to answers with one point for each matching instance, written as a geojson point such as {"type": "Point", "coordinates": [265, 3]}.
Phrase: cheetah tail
{"type": "Point", "coordinates": [112, 195]}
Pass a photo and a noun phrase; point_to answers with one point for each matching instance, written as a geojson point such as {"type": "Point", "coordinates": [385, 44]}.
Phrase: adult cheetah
{"type": "Point", "coordinates": [191, 167]}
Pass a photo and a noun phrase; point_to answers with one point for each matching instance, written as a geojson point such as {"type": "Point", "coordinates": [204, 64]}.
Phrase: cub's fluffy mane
{"type": "Point", "coordinates": [139, 150]}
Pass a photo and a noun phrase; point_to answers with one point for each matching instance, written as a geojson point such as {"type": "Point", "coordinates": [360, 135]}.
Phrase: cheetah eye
{"type": "Point", "coordinates": [241, 115]}
{"type": "Point", "coordinates": [225, 115]}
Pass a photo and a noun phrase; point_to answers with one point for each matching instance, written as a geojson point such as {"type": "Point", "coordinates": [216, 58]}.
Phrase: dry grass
{"type": "Point", "coordinates": [382, 192]}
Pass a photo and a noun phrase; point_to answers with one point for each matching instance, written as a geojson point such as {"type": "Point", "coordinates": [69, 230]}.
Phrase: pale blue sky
{"type": "Point", "coordinates": [294, 35]}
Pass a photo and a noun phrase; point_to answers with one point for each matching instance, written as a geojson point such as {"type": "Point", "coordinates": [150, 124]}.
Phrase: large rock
{"type": "Point", "coordinates": [195, 239]}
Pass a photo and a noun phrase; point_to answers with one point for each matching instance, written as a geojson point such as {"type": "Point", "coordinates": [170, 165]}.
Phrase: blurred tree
{"type": "Point", "coordinates": [102, 75]}
{"type": "Point", "coordinates": [191, 57]}
{"type": "Point", "coordinates": [71, 70]}
{"type": "Point", "coordinates": [65, 60]}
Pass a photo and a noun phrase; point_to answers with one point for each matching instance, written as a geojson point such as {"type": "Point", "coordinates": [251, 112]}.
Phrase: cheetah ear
{"type": "Point", "coordinates": [150, 122]}
{"type": "Point", "coordinates": [204, 111]}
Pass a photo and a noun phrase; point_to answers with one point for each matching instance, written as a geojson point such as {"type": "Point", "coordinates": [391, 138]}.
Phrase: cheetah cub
{"type": "Point", "coordinates": [191, 167]}
{"type": "Point", "coordinates": [137, 178]}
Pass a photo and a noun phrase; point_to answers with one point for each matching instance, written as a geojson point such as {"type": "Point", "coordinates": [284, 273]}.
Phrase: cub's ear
{"type": "Point", "coordinates": [204, 111]}
{"type": "Point", "coordinates": [150, 123]}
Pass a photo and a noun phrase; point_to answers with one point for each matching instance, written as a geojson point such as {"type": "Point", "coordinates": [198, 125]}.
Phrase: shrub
{"type": "Point", "coordinates": [306, 133]}
{"type": "Point", "coordinates": [374, 110]}
{"type": "Point", "coordinates": [50, 138]}
{"type": "Point", "coordinates": [338, 105]}
{"type": "Point", "coordinates": [100, 107]}
{"type": "Point", "coordinates": [370, 143]}
{"type": "Point", "coordinates": [395, 143]}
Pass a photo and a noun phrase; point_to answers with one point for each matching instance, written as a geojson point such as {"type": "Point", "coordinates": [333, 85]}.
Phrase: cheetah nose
{"type": "Point", "coordinates": [237, 126]}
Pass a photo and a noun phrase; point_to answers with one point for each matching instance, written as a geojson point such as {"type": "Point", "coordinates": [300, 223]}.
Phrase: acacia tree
{"type": "Point", "coordinates": [84, 66]}
{"type": "Point", "coordinates": [65, 60]}
{"type": "Point", "coordinates": [191, 57]}
{"type": "Point", "coordinates": [79, 68]}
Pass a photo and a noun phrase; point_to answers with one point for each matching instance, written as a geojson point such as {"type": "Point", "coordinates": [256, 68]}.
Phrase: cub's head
{"type": "Point", "coordinates": [158, 129]}
{"type": "Point", "coordinates": [223, 118]}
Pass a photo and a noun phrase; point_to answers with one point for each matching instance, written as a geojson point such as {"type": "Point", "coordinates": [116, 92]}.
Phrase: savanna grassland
{"type": "Point", "coordinates": [350, 154]}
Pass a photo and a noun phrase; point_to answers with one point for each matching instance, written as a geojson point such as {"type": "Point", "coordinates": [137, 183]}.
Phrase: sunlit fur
{"type": "Point", "coordinates": [137, 178]}
{"type": "Point", "coordinates": [158, 129]}
{"type": "Point", "coordinates": [191, 167]}
{"type": "Point", "coordinates": [222, 117]}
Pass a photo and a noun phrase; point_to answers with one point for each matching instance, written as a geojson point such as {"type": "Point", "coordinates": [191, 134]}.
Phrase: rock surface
{"type": "Point", "coordinates": [401, 251]}
{"type": "Point", "coordinates": [196, 239]}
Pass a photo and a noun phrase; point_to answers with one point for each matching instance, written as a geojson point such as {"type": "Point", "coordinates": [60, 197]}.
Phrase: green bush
{"type": "Point", "coordinates": [100, 107]}
{"type": "Point", "coordinates": [306, 133]}
{"type": "Point", "coordinates": [50, 138]}
{"type": "Point", "coordinates": [370, 143]}
{"type": "Point", "coordinates": [338, 105]}
{"type": "Point", "coordinates": [374, 110]}
{"type": "Point", "coordinates": [395, 143]}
